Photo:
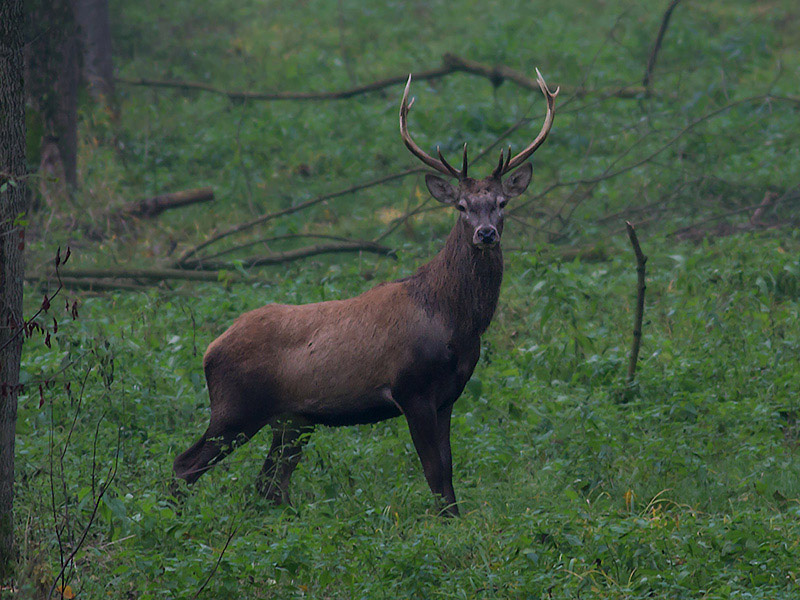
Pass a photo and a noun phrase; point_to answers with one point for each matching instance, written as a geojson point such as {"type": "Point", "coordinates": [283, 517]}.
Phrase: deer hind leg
{"type": "Point", "coordinates": [219, 440]}
{"type": "Point", "coordinates": [289, 435]}
{"type": "Point", "coordinates": [233, 422]}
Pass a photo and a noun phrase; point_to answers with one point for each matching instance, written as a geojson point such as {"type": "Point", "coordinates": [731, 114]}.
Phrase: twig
{"type": "Point", "coordinates": [112, 473]}
{"type": "Point", "coordinates": [189, 252]}
{"type": "Point", "coordinates": [94, 284]}
{"type": "Point", "coordinates": [641, 260]}
{"type": "Point", "coordinates": [154, 274]}
{"type": "Point", "coordinates": [272, 238]}
{"type": "Point", "coordinates": [249, 95]}
{"type": "Point", "coordinates": [231, 533]}
{"type": "Point", "coordinates": [451, 63]}
{"type": "Point", "coordinates": [295, 254]}
{"type": "Point", "coordinates": [48, 300]}
{"type": "Point", "coordinates": [651, 61]}
{"type": "Point", "coordinates": [788, 195]}
{"type": "Point", "coordinates": [497, 74]}
{"type": "Point", "coordinates": [151, 207]}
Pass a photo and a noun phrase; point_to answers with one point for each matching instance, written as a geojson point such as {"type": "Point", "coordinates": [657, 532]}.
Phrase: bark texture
{"type": "Point", "coordinates": [12, 243]}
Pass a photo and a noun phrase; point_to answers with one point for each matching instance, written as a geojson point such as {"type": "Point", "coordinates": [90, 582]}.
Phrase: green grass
{"type": "Point", "coordinates": [690, 487]}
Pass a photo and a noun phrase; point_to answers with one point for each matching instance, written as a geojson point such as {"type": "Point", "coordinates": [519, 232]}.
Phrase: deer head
{"type": "Point", "coordinates": [480, 201]}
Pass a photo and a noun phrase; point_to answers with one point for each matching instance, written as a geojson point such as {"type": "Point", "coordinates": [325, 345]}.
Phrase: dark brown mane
{"type": "Point", "coordinates": [462, 283]}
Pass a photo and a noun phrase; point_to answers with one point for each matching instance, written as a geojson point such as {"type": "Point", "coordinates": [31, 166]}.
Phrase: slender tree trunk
{"type": "Point", "coordinates": [52, 65]}
{"type": "Point", "coordinates": [95, 33]}
{"type": "Point", "coordinates": [12, 241]}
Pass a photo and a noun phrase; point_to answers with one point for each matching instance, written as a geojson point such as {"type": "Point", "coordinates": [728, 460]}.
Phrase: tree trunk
{"type": "Point", "coordinates": [95, 33]}
{"type": "Point", "coordinates": [12, 241]}
{"type": "Point", "coordinates": [52, 64]}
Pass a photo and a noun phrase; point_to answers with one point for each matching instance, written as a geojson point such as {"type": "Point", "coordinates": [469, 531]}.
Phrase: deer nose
{"type": "Point", "coordinates": [486, 234]}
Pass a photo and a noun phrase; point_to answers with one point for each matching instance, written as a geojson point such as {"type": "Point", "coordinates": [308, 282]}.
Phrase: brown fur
{"type": "Point", "coordinates": [405, 347]}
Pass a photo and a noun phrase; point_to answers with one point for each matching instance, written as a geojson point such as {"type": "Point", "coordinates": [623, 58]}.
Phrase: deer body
{"type": "Point", "coordinates": [406, 347]}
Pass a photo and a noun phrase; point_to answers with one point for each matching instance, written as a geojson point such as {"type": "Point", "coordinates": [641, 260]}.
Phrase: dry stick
{"type": "Point", "coordinates": [112, 473]}
{"type": "Point", "coordinates": [94, 284]}
{"type": "Point", "coordinates": [295, 254]}
{"type": "Point", "coordinates": [155, 274]}
{"type": "Point", "coordinates": [151, 207]}
{"type": "Point", "coordinates": [231, 533]}
{"type": "Point", "coordinates": [641, 259]}
{"type": "Point", "coordinates": [499, 73]}
{"type": "Point", "coordinates": [189, 252]}
{"type": "Point", "coordinates": [651, 62]}
{"type": "Point", "coordinates": [248, 95]}
{"type": "Point", "coordinates": [788, 195]}
{"type": "Point", "coordinates": [452, 63]}
{"type": "Point", "coordinates": [272, 238]}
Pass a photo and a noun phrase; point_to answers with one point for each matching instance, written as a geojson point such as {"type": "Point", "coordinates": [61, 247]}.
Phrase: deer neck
{"type": "Point", "coordinates": [461, 283]}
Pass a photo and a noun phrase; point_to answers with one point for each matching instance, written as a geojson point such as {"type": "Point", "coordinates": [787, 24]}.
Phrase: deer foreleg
{"type": "Point", "coordinates": [443, 423]}
{"type": "Point", "coordinates": [422, 420]}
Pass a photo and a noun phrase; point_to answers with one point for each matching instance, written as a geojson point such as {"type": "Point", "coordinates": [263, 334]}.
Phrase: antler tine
{"type": "Point", "coordinates": [452, 170]}
{"type": "Point", "coordinates": [464, 163]}
{"type": "Point", "coordinates": [440, 165]}
{"type": "Point", "coordinates": [498, 170]}
{"type": "Point", "coordinates": [546, 126]}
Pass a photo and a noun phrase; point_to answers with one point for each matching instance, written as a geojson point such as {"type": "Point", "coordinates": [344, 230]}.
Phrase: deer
{"type": "Point", "coordinates": [406, 347]}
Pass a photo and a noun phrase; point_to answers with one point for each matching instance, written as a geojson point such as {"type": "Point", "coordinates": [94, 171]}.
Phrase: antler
{"type": "Point", "coordinates": [509, 164]}
{"type": "Point", "coordinates": [440, 165]}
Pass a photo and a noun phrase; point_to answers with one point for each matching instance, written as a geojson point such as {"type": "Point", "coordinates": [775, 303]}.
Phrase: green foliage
{"type": "Point", "coordinates": [688, 488]}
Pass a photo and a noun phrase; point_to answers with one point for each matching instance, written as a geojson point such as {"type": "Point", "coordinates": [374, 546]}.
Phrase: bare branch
{"type": "Point", "coordinates": [641, 260]}
{"type": "Point", "coordinates": [151, 207]}
{"type": "Point", "coordinates": [451, 63]}
{"type": "Point", "coordinates": [651, 61]}
{"type": "Point", "coordinates": [153, 274]}
{"type": "Point", "coordinates": [231, 533]}
{"type": "Point", "coordinates": [291, 255]}
{"type": "Point", "coordinates": [189, 252]}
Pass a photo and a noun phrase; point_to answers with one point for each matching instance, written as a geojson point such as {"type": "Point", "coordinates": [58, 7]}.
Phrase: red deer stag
{"type": "Point", "coordinates": [407, 347]}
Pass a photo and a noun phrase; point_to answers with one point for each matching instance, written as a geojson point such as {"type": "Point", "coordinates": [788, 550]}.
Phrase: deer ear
{"type": "Point", "coordinates": [440, 189]}
{"type": "Point", "coordinates": [518, 181]}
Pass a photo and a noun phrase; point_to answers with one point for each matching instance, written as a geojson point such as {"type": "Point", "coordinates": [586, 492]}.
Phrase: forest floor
{"type": "Point", "coordinates": [572, 484]}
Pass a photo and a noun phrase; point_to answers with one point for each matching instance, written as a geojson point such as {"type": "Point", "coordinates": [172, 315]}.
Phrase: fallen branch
{"type": "Point", "coordinates": [151, 207]}
{"type": "Point", "coordinates": [695, 231]}
{"type": "Point", "coordinates": [641, 260]}
{"type": "Point", "coordinates": [74, 283]}
{"type": "Point", "coordinates": [272, 238]}
{"type": "Point", "coordinates": [291, 255]}
{"type": "Point", "coordinates": [249, 95]}
{"type": "Point", "coordinates": [451, 63]}
{"type": "Point", "coordinates": [153, 274]}
{"type": "Point", "coordinates": [183, 260]}
{"type": "Point", "coordinates": [651, 61]}
{"type": "Point", "coordinates": [497, 74]}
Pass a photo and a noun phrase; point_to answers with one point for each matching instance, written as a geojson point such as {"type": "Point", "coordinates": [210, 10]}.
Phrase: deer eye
{"type": "Point", "coordinates": [461, 207]}
{"type": "Point", "coordinates": [502, 203]}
